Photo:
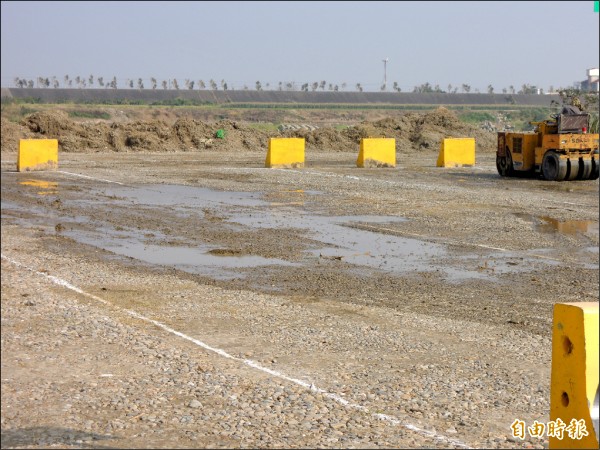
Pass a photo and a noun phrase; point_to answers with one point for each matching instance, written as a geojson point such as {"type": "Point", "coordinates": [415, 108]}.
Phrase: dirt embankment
{"type": "Point", "coordinates": [413, 132]}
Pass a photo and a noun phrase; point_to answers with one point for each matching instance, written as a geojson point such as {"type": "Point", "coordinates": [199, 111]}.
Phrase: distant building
{"type": "Point", "coordinates": [591, 84]}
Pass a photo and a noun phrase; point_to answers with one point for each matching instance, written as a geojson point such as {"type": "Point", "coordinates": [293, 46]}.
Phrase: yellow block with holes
{"type": "Point", "coordinates": [285, 152]}
{"type": "Point", "coordinates": [455, 152]}
{"type": "Point", "coordinates": [377, 152]}
{"type": "Point", "coordinates": [574, 378]}
{"type": "Point", "coordinates": [37, 154]}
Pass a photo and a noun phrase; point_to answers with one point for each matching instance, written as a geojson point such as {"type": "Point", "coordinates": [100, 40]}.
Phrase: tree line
{"type": "Point", "coordinates": [92, 82]}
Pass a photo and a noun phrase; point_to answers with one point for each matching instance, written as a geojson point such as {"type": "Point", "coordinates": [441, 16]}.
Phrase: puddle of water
{"type": "Point", "coordinates": [198, 260]}
{"type": "Point", "coordinates": [340, 241]}
{"type": "Point", "coordinates": [50, 186]}
{"type": "Point", "coordinates": [180, 196]}
{"type": "Point", "coordinates": [380, 251]}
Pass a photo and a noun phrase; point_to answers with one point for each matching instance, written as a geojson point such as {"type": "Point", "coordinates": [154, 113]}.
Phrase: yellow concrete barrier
{"type": "Point", "coordinates": [285, 152]}
{"type": "Point", "coordinates": [456, 152]}
{"type": "Point", "coordinates": [37, 154]}
{"type": "Point", "coordinates": [574, 378]}
{"type": "Point", "coordinates": [377, 152]}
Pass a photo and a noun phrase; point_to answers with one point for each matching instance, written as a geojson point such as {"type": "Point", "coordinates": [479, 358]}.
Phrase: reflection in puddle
{"type": "Point", "coordinates": [547, 224]}
{"type": "Point", "coordinates": [568, 226]}
{"type": "Point", "coordinates": [51, 186]}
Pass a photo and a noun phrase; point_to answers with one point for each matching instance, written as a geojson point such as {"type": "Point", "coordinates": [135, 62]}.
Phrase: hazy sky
{"type": "Point", "coordinates": [477, 43]}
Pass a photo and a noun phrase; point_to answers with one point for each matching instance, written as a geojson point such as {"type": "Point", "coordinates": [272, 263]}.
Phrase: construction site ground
{"type": "Point", "coordinates": [197, 299]}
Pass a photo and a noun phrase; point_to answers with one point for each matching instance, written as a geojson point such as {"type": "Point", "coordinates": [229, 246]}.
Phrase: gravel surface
{"type": "Point", "coordinates": [402, 308]}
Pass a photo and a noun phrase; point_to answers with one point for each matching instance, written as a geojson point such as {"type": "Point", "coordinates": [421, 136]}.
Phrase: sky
{"type": "Point", "coordinates": [446, 43]}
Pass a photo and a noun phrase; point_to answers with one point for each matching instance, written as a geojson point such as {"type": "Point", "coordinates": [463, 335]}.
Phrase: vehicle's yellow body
{"type": "Point", "coordinates": [558, 150]}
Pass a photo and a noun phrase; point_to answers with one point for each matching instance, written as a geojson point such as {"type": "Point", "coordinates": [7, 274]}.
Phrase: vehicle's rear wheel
{"type": "Point", "coordinates": [504, 165]}
{"type": "Point", "coordinates": [553, 168]}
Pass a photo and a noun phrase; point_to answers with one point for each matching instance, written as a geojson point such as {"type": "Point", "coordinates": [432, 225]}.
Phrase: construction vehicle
{"type": "Point", "coordinates": [558, 149]}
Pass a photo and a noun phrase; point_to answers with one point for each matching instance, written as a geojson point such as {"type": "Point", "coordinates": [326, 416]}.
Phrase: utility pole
{"type": "Point", "coordinates": [385, 73]}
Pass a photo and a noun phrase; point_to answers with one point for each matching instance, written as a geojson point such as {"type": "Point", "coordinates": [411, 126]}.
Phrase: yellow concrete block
{"type": "Point", "coordinates": [574, 378]}
{"type": "Point", "coordinates": [37, 154]}
{"type": "Point", "coordinates": [285, 152]}
{"type": "Point", "coordinates": [456, 152]}
{"type": "Point", "coordinates": [377, 152]}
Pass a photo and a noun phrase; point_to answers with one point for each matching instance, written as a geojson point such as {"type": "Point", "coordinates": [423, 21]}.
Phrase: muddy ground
{"type": "Point", "coordinates": [414, 302]}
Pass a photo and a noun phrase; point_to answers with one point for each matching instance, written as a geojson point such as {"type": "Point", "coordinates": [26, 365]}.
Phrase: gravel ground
{"type": "Point", "coordinates": [105, 347]}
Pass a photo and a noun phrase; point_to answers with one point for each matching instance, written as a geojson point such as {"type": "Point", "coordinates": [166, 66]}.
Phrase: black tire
{"type": "Point", "coordinates": [504, 165]}
{"type": "Point", "coordinates": [572, 169]}
{"type": "Point", "coordinates": [585, 169]}
{"type": "Point", "coordinates": [594, 174]}
{"type": "Point", "coordinates": [551, 166]}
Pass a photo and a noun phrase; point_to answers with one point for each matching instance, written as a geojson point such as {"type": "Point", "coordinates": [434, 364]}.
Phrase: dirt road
{"type": "Point", "coordinates": [198, 299]}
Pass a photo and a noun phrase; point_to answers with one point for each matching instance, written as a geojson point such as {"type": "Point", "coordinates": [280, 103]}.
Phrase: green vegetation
{"type": "Point", "coordinates": [263, 126]}
{"type": "Point", "coordinates": [476, 117]}
{"type": "Point", "coordinates": [518, 116]}
{"type": "Point", "coordinates": [89, 114]}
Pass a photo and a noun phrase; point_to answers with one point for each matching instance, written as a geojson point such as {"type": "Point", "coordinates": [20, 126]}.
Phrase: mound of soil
{"type": "Point", "coordinates": [413, 132]}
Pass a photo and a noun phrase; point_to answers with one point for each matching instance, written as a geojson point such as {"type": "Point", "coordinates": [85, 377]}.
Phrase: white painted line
{"type": "Point", "coordinates": [391, 419]}
{"type": "Point", "coordinates": [91, 178]}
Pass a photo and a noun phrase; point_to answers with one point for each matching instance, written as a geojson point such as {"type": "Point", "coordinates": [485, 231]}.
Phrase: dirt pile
{"type": "Point", "coordinates": [413, 132]}
{"type": "Point", "coordinates": [10, 133]}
